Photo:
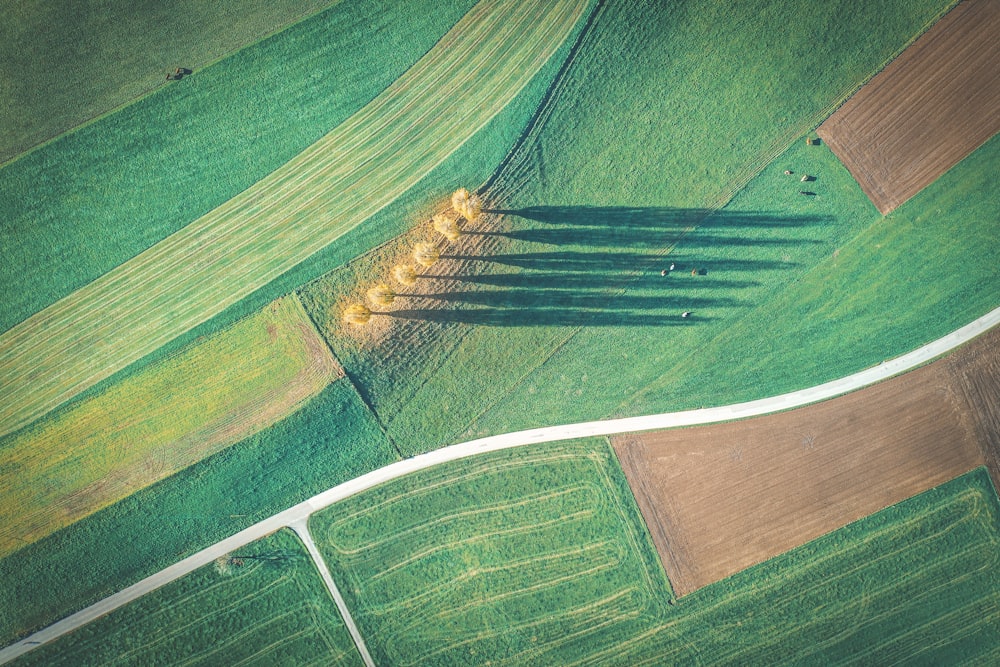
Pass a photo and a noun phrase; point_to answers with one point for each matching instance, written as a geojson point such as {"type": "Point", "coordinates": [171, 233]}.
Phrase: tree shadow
{"type": "Point", "coordinates": [607, 266]}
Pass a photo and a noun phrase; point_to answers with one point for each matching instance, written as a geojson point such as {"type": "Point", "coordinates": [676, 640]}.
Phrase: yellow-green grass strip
{"type": "Point", "coordinates": [331, 187]}
{"type": "Point", "coordinates": [166, 417]}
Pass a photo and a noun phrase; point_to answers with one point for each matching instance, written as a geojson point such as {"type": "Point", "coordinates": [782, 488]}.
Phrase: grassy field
{"type": "Point", "coordinates": [160, 421]}
{"type": "Point", "coordinates": [522, 337]}
{"type": "Point", "coordinates": [537, 556]}
{"type": "Point", "coordinates": [913, 584]}
{"type": "Point", "coordinates": [66, 65]}
{"type": "Point", "coordinates": [333, 439]}
{"type": "Point", "coordinates": [78, 207]}
{"type": "Point", "coordinates": [334, 185]}
{"type": "Point", "coordinates": [525, 556]}
{"type": "Point", "coordinates": [272, 609]}
{"type": "Point", "coordinates": [923, 271]}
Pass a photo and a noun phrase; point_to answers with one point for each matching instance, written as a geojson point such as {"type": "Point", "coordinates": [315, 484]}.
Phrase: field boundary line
{"type": "Point", "coordinates": [301, 528]}
{"type": "Point", "coordinates": [302, 511]}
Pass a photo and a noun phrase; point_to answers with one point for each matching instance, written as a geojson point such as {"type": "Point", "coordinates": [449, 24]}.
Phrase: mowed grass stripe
{"type": "Point", "coordinates": [353, 172]}
{"type": "Point", "coordinates": [163, 419]}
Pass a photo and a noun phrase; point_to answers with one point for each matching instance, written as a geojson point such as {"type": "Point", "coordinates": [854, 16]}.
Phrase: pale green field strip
{"type": "Point", "coordinates": [357, 169]}
{"type": "Point", "coordinates": [271, 609]}
{"type": "Point", "coordinates": [516, 557]}
{"type": "Point", "coordinates": [168, 416]}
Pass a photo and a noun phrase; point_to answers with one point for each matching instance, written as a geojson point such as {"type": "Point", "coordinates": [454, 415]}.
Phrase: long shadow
{"type": "Point", "coordinates": [657, 217]}
{"type": "Point", "coordinates": [603, 262]}
{"type": "Point", "coordinates": [541, 298]}
{"type": "Point", "coordinates": [579, 280]}
{"type": "Point", "coordinates": [617, 237]}
{"type": "Point", "coordinates": [520, 317]}
{"type": "Point", "coordinates": [608, 251]}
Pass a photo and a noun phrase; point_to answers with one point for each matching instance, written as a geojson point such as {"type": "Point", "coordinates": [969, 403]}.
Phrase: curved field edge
{"type": "Point", "coordinates": [333, 186]}
{"type": "Point", "coordinates": [436, 566]}
{"type": "Point", "coordinates": [593, 242]}
{"type": "Point", "coordinates": [85, 203]}
{"type": "Point", "coordinates": [120, 51]}
{"type": "Point", "coordinates": [59, 576]}
{"type": "Point", "coordinates": [332, 440]}
{"type": "Point", "coordinates": [264, 603]}
{"type": "Point", "coordinates": [928, 562]}
{"type": "Point", "coordinates": [367, 481]}
{"type": "Point", "coordinates": [160, 421]}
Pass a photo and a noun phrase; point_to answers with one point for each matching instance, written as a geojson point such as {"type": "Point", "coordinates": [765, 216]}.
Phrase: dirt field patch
{"type": "Point", "coordinates": [932, 106]}
{"type": "Point", "coordinates": [720, 498]}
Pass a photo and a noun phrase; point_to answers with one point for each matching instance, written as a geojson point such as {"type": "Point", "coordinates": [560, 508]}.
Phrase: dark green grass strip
{"type": "Point", "coordinates": [332, 439]}
{"type": "Point", "coordinates": [270, 608]}
{"type": "Point", "coordinates": [80, 206]}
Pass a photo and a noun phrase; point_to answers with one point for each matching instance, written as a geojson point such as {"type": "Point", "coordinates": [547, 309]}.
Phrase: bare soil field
{"type": "Point", "coordinates": [932, 106]}
{"type": "Point", "coordinates": [720, 498]}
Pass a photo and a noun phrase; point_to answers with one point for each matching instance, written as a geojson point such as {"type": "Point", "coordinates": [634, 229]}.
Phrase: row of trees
{"type": "Point", "coordinates": [465, 206]}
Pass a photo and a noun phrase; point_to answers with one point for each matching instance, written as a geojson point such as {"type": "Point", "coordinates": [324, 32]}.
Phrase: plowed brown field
{"type": "Point", "coordinates": [933, 105]}
{"type": "Point", "coordinates": [720, 498]}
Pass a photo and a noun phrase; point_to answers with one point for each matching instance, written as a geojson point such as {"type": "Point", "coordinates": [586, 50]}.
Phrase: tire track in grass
{"type": "Point", "coordinates": [331, 187]}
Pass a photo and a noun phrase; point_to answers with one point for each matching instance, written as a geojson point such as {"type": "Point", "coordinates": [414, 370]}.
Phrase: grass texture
{"type": "Point", "coordinates": [165, 418]}
{"type": "Point", "coordinates": [272, 609]}
{"type": "Point", "coordinates": [334, 185]}
{"type": "Point", "coordinates": [569, 319]}
{"type": "Point", "coordinates": [77, 207]}
{"type": "Point", "coordinates": [914, 583]}
{"type": "Point", "coordinates": [514, 557]}
{"type": "Point", "coordinates": [67, 64]}
{"type": "Point", "coordinates": [537, 556]}
{"type": "Point", "coordinates": [333, 439]}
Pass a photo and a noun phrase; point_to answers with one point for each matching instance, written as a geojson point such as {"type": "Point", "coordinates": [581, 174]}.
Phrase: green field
{"type": "Point", "coordinates": [159, 421]}
{"type": "Point", "coordinates": [533, 556]}
{"type": "Point", "coordinates": [913, 584]}
{"type": "Point", "coordinates": [78, 207]}
{"type": "Point", "coordinates": [272, 609]}
{"type": "Point", "coordinates": [334, 185]}
{"type": "Point", "coordinates": [65, 65]}
{"type": "Point", "coordinates": [661, 115]}
{"type": "Point", "coordinates": [538, 556]}
{"type": "Point", "coordinates": [333, 439]}
{"type": "Point", "coordinates": [567, 318]}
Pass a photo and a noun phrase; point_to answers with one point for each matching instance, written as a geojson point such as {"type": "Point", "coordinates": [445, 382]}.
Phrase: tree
{"type": "Point", "coordinates": [381, 296]}
{"type": "Point", "coordinates": [467, 205]}
{"type": "Point", "coordinates": [357, 314]}
{"type": "Point", "coordinates": [426, 254]}
{"type": "Point", "coordinates": [404, 274]}
{"type": "Point", "coordinates": [447, 226]}
{"type": "Point", "coordinates": [473, 207]}
{"type": "Point", "coordinates": [459, 199]}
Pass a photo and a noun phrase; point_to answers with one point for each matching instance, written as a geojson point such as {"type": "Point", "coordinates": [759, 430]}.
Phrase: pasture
{"type": "Point", "coordinates": [522, 557]}
{"type": "Point", "coordinates": [165, 418]}
{"type": "Point", "coordinates": [917, 582]}
{"type": "Point", "coordinates": [354, 171]}
{"type": "Point", "coordinates": [264, 604]}
{"type": "Point", "coordinates": [66, 65]}
{"type": "Point", "coordinates": [926, 111]}
{"type": "Point", "coordinates": [77, 207]}
{"type": "Point", "coordinates": [332, 439]}
{"type": "Point", "coordinates": [720, 498]}
{"type": "Point", "coordinates": [521, 333]}
{"type": "Point", "coordinates": [535, 556]}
